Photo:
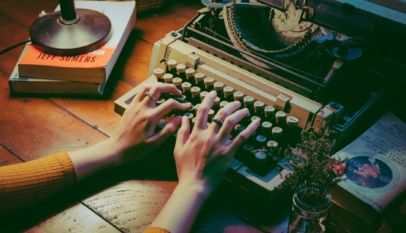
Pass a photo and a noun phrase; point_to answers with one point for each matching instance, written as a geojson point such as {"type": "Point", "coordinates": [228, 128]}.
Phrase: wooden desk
{"type": "Point", "coordinates": [32, 128]}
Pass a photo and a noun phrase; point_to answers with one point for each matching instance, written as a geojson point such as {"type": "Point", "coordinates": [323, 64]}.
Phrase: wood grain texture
{"type": "Point", "coordinates": [7, 158]}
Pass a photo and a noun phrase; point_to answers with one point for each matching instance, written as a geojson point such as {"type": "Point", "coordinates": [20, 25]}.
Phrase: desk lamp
{"type": "Point", "coordinates": [70, 31]}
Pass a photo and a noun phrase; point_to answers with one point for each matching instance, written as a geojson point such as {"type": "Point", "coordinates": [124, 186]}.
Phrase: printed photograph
{"type": "Point", "coordinates": [369, 172]}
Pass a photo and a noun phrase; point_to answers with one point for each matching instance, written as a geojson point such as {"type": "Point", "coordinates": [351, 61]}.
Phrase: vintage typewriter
{"type": "Point", "coordinates": [287, 66]}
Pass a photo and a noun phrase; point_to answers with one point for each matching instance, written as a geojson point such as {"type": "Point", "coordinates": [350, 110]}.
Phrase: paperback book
{"type": "Point", "coordinates": [94, 67]}
{"type": "Point", "coordinates": [373, 195]}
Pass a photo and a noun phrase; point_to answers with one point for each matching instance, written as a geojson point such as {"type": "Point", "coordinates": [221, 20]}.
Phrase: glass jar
{"type": "Point", "coordinates": [310, 209]}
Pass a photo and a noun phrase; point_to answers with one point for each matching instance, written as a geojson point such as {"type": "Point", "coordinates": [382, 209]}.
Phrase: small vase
{"type": "Point", "coordinates": [310, 209]}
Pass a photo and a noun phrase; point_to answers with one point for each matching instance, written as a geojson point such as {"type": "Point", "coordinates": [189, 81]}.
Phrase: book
{"type": "Point", "coordinates": [372, 197]}
{"type": "Point", "coordinates": [93, 67]}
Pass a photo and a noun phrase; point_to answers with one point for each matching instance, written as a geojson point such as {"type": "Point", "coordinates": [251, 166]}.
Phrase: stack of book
{"type": "Point", "coordinates": [373, 197]}
{"type": "Point", "coordinates": [85, 74]}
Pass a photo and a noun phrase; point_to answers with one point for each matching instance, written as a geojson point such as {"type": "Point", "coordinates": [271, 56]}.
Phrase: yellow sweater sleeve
{"type": "Point", "coordinates": [30, 182]}
{"type": "Point", "coordinates": [155, 230]}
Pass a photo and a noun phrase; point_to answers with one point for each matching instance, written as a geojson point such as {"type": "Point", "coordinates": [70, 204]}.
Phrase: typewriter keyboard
{"type": "Point", "coordinates": [283, 114]}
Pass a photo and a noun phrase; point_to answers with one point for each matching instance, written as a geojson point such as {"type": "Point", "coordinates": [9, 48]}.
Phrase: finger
{"type": "Point", "coordinates": [183, 134]}
{"type": "Point", "coordinates": [223, 113]}
{"type": "Point", "coordinates": [231, 121]}
{"type": "Point", "coordinates": [157, 89]}
{"type": "Point", "coordinates": [169, 105]}
{"type": "Point", "coordinates": [203, 110]}
{"type": "Point", "coordinates": [244, 135]}
{"type": "Point", "coordinates": [141, 93]}
{"type": "Point", "coordinates": [168, 130]}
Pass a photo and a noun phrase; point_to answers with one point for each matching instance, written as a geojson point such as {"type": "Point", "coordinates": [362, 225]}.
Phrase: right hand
{"type": "Point", "coordinates": [203, 156]}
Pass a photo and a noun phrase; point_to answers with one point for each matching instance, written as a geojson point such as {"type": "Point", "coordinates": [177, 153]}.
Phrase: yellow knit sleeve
{"type": "Point", "coordinates": [155, 230]}
{"type": "Point", "coordinates": [27, 183]}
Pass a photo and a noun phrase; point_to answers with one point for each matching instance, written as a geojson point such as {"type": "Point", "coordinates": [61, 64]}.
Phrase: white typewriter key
{"type": "Point", "coordinates": [168, 78]}
{"type": "Point", "coordinates": [195, 92]}
{"type": "Point", "coordinates": [228, 91]}
{"type": "Point", "coordinates": [269, 112]}
{"type": "Point", "coordinates": [189, 115]}
{"type": "Point", "coordinates": [186, 86]}
{"type": "Point", "coordinates": [177, 82]}
{"type": "Point", "coordinates": [223, 103]}
{"type": "Point", "coordinates": [159, 101]}
{"type": "Point", "coordinates": [248, 101]}
{"type": "Point", "coordinates": [259, 107]}
{"type": "Point", "coordinates": [277, 132]}
{"type": "Point", "coordinates": [216, 102]}
{"type": "Point", "coordinates": [208, 82]}
{"type": "Point", "coordinates": [181, 68]}
{"type": "Point", "coordinates": [266, 127]}
{"type": "Point", "coordinates": [211, 113]}
{"type": "Point", "coordinates": [190, 72]}
{"type": "Point", "coordinates": [292, 121]}
{"type": "Point", "coordinates": [238, 96]}
{"type": "Point", "coordinates": [203, 95]}
{"type": "Point", "coordinates": [272, 146]}
{"type": "Point", "coordinates": [253, 118]}
{"type": "Point", "coordinates": [172, 64]}
{"type": "Point", "coordinates": [280, 117]}
{"type": "Point", "coordinates": [199, 78]}
{"type": "Point", "coordinates": [218, 86]}
{"type": "Point", "coordinates": [158, 73]}
{"type": "Point", "coordinates": [196, 107]}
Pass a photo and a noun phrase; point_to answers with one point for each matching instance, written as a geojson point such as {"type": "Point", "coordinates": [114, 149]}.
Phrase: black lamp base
{"type": "Point", "coordinates": [88, 32]}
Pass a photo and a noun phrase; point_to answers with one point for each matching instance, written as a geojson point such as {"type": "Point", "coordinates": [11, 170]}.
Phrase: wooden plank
{"type": "Point", "coordinates": [77, 218]}
{"type": "Point", "coordinates": [33, 127]}
{"type": "Point", "coordinates": [7, 158]}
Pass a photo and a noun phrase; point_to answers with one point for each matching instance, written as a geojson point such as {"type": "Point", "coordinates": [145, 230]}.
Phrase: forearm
{"type": "Point", "coordinates": [95, 159]}
{"type": "Point", "coordinates": [182, 208]}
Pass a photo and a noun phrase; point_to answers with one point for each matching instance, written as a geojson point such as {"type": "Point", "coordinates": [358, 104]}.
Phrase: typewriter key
{"type": "Point", "coordinates": [181, 68]}
{"type": "Point", "coordinates": [259, 107]}
{"type": "Point", "coordinates": [219, 86]}
{"type": "Point", "coordinates": [292, 121]}
{"type": "Point", "coordinates": [203, 95]}
{"type": "Point", "coordinates": [172, 66]}
{"type": "Point", "coordinates": [280, 117]}
{"type": "Point", "coordinates": [228, 93]}
{"type": "Point", "coordinates": [208, 83]}
{"type": "Point", "coordinates": [158, 73]}
{"type": "Point", "coordinates": [168, 78]}
{"type": "Point", "coordinates": [269, 112]}
{"type": "Point", "coordinates": [239, 96]}
{"type": "Point", "coordinates": [266, 128]}
{"type": "Point", "coordinates": [249, 102]}
{"type": "Point", "coordinates": [260, 140]}
{"type": "Point", "coordinates": [272, 146]}
{"type": "Point", "coordinates": [199, 80]}
{"type": "Point", "coordinates": [277, 132]}
{"type": "Point", "coordinates": [223, 103]}
{"type": "Point", "coordinates": [190, 75]}
{"type": "Point", "coordinates": [177, 82]}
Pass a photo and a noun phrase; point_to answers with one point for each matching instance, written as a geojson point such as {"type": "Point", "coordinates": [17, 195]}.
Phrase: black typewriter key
{"type": "Point", "coordinates": [218, 87]}
{"type": "Point", "coordinates": [269, 112]}
{"type": "Point", "coordinates": [223, 103]}
{"type": "Point", "coordinates": [208, 83]}
{"type": "Point", "coordinates": [159, 73]}
{"type": "Point", "coordinates": [228, 93]}
{"type": "Point", "coordinates": [238, 128]}
{"type": "Point", "coordinates": [195, 95]}
{"type": "Point", "coordinates": [189, 115]}
{"type": "Point", "coordinates": [177, 82]}
{"type": "Point", "coordinates": [203, 95]}
{"type": "Point", "coordinates": [190, 75]}
{"type": "Point", "coordinates": [260, 163]}
{"type": "Point", "coordinates": [199, 80]}
{"type": "Point", "coordinates": [181, 98]}
{"type": "Point", "coordinates": [168, 78]}
{"type": "Point", "coordinates": [172, 66]}
{"type": "Point", "coordinates": [259, 107]}
{"type": "Point", "coordinates": [266, 128]}
{"type": "Point", "coordinates": [181, 68]}
{"type": "Point", "coordinates": [249, 103]}
{"type": "Point", "coordinates": [186, 90]}
{"type": "Point", "coordinates": [260, 141]}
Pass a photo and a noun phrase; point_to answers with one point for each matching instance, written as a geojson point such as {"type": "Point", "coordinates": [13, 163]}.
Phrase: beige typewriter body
{"type": "Point", "coordinates": [307, 111]}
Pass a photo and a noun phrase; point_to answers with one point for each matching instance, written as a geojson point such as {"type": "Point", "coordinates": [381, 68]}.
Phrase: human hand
{"type": "Point", "coordinates": [203, 156]}
{"type": "Point", "coordinates": [134, 136]}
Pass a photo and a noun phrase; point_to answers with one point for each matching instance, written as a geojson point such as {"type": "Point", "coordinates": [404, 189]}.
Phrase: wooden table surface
{"type": "Point", "coordinates": [123, 201]}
